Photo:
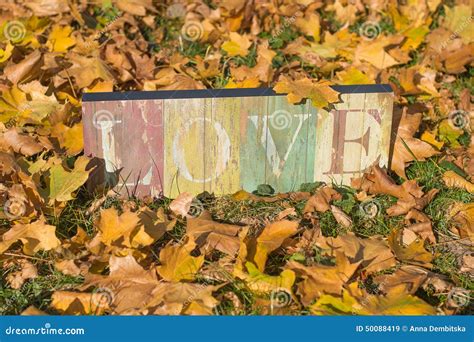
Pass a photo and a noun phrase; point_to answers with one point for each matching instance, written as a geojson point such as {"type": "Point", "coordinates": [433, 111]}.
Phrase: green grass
{"type": "Point", "coordinates": [35, 292]}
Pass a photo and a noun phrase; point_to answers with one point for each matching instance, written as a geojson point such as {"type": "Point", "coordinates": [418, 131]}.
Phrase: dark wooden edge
{"type": "Point", "coordinates": [212, 93]}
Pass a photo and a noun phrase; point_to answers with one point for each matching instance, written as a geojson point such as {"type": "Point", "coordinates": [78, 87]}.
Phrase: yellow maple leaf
{"type": "Point", "coordinates": [253, 82]}
{"type": "Point", "coordinates": [320, 93]}
{"type": "Point", "coordinates": [6, 54]}
{"type": "Point", "coordinates": [70, 138]}
{"type": "Point", "coordinates": [356, 301]}
{"type": "Point", "coordinates": [79, 303]}
{"type": "Point", "coordinates": [177, 263]}
{"type": "Point", "coordinates": [63, 182]}
{"type": "Point", "coordinates": [35, 236]}
{"type": "Point", "coordinates": [353, 76]}
{"type": "Point", "coordinates": [271, 238]}
{"type": "Point", "coordinates": [264, 283]}
{"type": "Point", "coordinates": [59, 39]}
{"type": "Point", "coordinates": [430, 138]}
{"type": "Point", "coordinates": [238, 45]}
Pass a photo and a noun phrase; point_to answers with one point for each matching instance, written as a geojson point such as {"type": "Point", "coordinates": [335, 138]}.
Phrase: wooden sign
{"type": "Point", "coordinates": [224, 140]}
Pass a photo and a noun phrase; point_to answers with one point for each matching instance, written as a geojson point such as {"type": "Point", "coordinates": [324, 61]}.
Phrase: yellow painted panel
{"type": "Point", "coordinates": [222, 146]}
{"type": "Point", "coordinates": [185, 145]}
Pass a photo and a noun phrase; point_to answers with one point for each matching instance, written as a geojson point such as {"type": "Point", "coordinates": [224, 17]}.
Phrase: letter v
{"type": "Point", "coordinates": [273, 157]}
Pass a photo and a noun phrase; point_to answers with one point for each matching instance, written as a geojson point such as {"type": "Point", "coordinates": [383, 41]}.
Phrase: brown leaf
{"type": "Point", "coordinates": [210, 235]}
{"type": "Point", "coordinates": [16, 72]}
{"type": "Point", "coordinates": [341, 217]}
{"type": "Point", "coordinates": [322, 279]}
{"type": "Point", "coordinates": [319, 92]}
{"type": "Point", "coordinates": [414, 253]}
{"type": "Point", "coordinates": [22, 143]}
{"type": "Point", "coordinates": [180, 205]}
{"type": "Point", "coordinates": [373, 253]}
{"type": "Point", "coordinates": [409, 276]}
{"type": "Point", "coordinates": [463, 217]}
{"type": "Point", "coordinates": [127, 287]}
{"type": "Point", "coordinates": [35, 236]}
{"type": "Point", "coordinates": [453, 180]}
{"type": "Point", "coordinates": [407, 148]}
{"type": "Point", "coordinates": [79, 303]}
{"type": "Point", "coordinates": [321, 200]}
{"type": "Point", "coordinates": [27, 271]}
{"type": "Point", "coordinates": [271, 238]}
{"type": "Point", "coordinates": [424, 229]}
{"type": "Point", "coordinates": [177, 263]}
{"type": "Point", "coordinates": [32, 311]}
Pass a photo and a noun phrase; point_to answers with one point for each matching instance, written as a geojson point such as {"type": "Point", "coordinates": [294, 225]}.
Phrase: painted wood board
{"type": "Point", "coordinates": [222, 141]}
{"type": "Point", "coordinates": [222, 145]}
{"type": "Point", "coordinates": [253, 116]}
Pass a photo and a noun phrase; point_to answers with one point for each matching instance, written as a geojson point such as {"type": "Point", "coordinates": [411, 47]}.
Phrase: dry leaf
{"type": "Point", "coordinates": [453, 180]}
{"type": "Point", "coordinates": [177, 263]}
{"type": "Point", "coordinates": [35, 236]}
{"type": "Point", "coordinates": [271, 238]}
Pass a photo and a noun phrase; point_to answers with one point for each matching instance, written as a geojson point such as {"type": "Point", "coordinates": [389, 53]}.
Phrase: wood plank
{"type": "Point", "coordinates": [91, 146]}
{"type": "Point", "coordinates": [253, 116]}
{"type": "Point", "coordinates": [185, 143]}
{"type": "Point", "coordinates": [348, 138]}
{"type": "Point", "coordinates": [286, 141]}
{"type": "Point", "coordinates": [222, 146]}
{"type": "Point", "coordinates": [142, 160]}
{"type": "Point", "coordinates": [310, 141]}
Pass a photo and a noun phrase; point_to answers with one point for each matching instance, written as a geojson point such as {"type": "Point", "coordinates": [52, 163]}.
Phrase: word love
{"type": "Point", "coordinates": [222, 141]}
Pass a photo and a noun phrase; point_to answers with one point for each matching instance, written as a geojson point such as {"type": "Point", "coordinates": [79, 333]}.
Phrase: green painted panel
{"type": "Point", "coordinates": [288, 139]}
{"type": "Point", "coordinates": [253, 116]}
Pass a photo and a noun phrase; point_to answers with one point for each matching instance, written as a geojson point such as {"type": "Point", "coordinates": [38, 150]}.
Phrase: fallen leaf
{"type": "Point", "coordinates": [355, 301]}
{"type": "Point", "coordinates": [415, 253]}
{"type": "Point", "coordinates": [453, 180]}
{"type": "Point", "coordinates": [237, 45]}
{"type": "Point", "coordinates": [462, 215]}
{"type": "Point", "coordinates": [27, 271]}
{"type": "Point", "coordinates": [320, 93]}
{"type": "Point", "coordinates": [177, 263]}
{"type": "Point", "coordinates": [322, 279]}
{"type": "Point", "coordinates": [22, 143]}
{"type": "Point", "coordinates": [271, 238]}
{"type": "Point", "coordinates": [341, 217]}
{"type": "Point", "coordinates": [35, 236]}
{"type": "Point", "coordinates": [407, 148]}
{"type": "Point", "coordinates": [321, 200]}
{"type": "Point", "coordinates": [63, 182]}
{"type": "Point", "coordinates": [79, 303]}
{"type": "Point", "coordinates": [60, 40]}
{"type": "Point", "coordinates": [210, 235]}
